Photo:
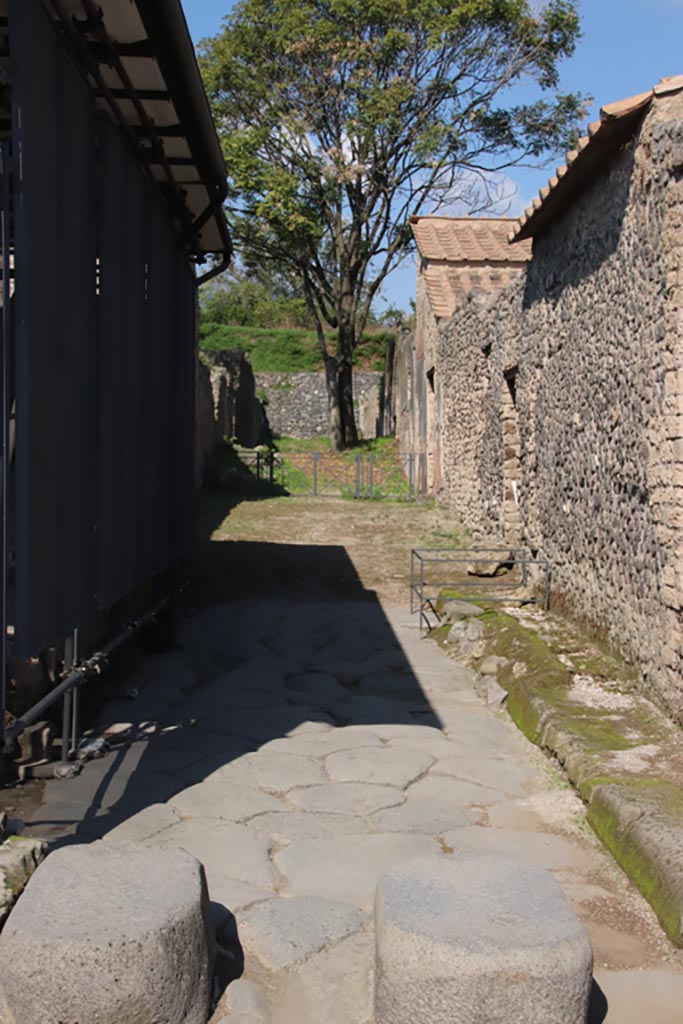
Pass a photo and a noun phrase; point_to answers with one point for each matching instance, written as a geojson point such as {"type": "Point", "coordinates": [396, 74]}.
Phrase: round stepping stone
{"type": "Point", "coordinates": [131, 944]}
{"type": "Point", "coordinates": [484, 940]}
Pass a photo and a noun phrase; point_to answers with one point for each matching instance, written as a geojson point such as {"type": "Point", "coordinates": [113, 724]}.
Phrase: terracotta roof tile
{"type": "Point", "coordinates": [449, 285]}
{"type": "Point", "coordinates": [616, 121]}
{"type": "Point", "coordinates": [466, 239]}
{"type": "Point", "coordinates": [465, 255]}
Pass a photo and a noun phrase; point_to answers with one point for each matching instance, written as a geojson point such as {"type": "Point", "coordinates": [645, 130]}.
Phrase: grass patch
{"type": "Point", "coordinates": [372, 470]}
{"type": "Point", "coordinates": [289, 349]}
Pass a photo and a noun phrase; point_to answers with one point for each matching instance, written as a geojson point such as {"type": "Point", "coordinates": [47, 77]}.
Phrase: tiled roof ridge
{"type": "Point", "coordinates": [463, 220]}
{"type": "Point", "coordinates": [609, 114]}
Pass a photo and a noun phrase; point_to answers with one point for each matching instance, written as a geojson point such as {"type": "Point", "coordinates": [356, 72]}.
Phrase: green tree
{"type": "Point", "coordinates": [263, 300]}
{"type": "Point", "coordinates": [342, 118]}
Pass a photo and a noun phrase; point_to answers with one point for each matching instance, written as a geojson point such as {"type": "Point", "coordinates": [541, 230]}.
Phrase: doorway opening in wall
{"type": "Point", "coordinates": [512, 462]}
{"type": "Point", "coordinates": [430, 379]}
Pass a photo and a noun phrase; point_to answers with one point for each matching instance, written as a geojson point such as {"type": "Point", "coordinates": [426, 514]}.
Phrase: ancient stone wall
{"type": "Point", "coordinates": [226, 405]}
{"type": "Point", "coordinates": [296, 403]}
{"type": "Point", "coordinates": [417, 394]}
{"type": "Point", "coordinates": [562, 403]}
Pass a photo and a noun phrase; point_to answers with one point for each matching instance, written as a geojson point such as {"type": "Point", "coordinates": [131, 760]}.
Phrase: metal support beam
{"type": "Point", "coordinates": [93, 667]}
{"type": "Point", "coordinates": [5, 412]}
{"type": "Point", "coordinates": [155, 95]}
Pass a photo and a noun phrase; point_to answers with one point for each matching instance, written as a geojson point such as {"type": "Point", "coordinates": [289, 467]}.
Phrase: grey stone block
{"type": "Point", "coordinates": [492, 664]}
{"type": "Point", "coordinates": [283, 932]}
{"type": "Point", "coordinates": [118, 934]}
{"type": "Point", "coordinates": [480, 940]}
{"type": "Point", "coordinates": [454, 610]}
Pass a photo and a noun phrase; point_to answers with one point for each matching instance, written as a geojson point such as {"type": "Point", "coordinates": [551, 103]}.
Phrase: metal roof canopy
{"type": "Point", "coordinates": [138, 58]}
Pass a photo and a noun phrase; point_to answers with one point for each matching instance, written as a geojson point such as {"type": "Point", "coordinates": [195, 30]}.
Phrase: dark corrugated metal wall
{"type": "Point", "coordinates": [105, 355]}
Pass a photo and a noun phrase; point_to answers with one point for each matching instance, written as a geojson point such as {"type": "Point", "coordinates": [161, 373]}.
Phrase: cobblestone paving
{"type": "Point", "coordinates": [299, 748]}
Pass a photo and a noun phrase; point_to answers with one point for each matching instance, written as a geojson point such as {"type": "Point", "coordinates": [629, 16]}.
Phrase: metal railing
{"type": "Point", "coordinates": [476, 574]}
{"type": "Point", "coordinates": [326, 474]}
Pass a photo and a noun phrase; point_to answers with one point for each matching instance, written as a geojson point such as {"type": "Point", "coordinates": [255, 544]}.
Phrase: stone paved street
{"type": "Point", "coordinates": [299, 745]}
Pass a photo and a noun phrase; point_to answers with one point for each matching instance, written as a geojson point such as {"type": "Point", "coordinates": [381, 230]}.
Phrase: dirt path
{"type": "Point", "coordinates": [335, 544]}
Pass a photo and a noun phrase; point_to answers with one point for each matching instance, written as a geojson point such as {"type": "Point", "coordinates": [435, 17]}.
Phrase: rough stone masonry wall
{"type": "Point", "coordinates": [572, 379]}
{"type": "Point", "coordinates": [296, 403]}
{"type": "Point", "coordinates": [226, 405]}
{"type": "Point", "coordinates": [417, 396]}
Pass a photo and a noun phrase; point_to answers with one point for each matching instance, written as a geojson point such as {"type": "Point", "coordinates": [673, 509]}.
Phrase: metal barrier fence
{"type": "Point", "coordinates": [328, 474]}
{"type": "Point", "coordinates": [477, 574]}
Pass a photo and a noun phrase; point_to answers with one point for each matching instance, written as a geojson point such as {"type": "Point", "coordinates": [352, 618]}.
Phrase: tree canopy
{"type": "Point", "coordinates": [340, 119]}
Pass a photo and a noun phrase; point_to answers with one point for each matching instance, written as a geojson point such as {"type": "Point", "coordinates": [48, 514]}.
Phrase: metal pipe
{"type": "Point", "coordinates": [93, 666]}
{"type": "Point", "coordinates": [5, 409]}
{"type": "Point", "coordinates": [75, 700]}
{"type": "Point", "coordinates": [215, 271]}
{"type": "Point", "coordinates": [68, 701]}
{"type": "Point", "coordinates": [66, 726]}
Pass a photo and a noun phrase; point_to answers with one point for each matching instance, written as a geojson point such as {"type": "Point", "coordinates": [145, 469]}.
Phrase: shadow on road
{"type": "Point", "coordinates": [285, 639]}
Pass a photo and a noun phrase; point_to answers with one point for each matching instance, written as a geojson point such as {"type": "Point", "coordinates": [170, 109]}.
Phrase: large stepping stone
{"type": "Point", "coordinates": [480, 940]}
{"type": "Point", "coordinates": [118, 934]}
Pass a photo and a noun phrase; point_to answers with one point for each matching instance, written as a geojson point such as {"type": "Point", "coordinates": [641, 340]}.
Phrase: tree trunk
{"type": "Point", "coordinates": [348, 416]}
{"type": "Point", "coordinates": [346, 343]}
{"type": "Point", "coordinates": [336, 431]}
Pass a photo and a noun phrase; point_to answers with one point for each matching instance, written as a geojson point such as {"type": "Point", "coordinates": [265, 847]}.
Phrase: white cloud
{"type": "Point", "coordinates": [485, 194]}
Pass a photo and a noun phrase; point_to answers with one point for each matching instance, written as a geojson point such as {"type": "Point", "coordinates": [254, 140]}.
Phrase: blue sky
{"type": "Point", "coordinates": [628, 45]}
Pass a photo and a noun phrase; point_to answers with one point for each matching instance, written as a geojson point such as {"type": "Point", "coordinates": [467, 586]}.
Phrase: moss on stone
{"type": "Point", "coordinates": [639, 858]}
{"type": "Point", "coordinates": [523, 712]}
{"type": "Point", "coordinates": [508, 638]}
{"type": "Point", "coordinates": [584, 740]}
{"type": "Point", "coordinates": [598, 733]}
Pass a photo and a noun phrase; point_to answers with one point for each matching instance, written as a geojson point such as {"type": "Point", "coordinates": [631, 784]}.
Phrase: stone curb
{"type": "Point", "coordinates": [19, 858]}
{"type": "Point", "coordinates": [639, 820]}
